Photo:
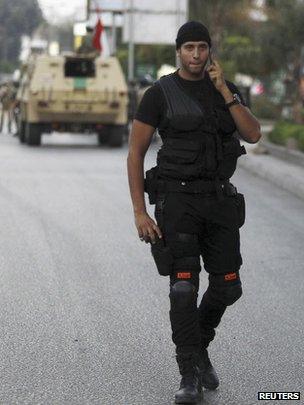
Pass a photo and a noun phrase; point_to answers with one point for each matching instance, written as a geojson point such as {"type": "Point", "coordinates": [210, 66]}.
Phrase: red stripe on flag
{"type": "Point", "coordinates": [97, 35]}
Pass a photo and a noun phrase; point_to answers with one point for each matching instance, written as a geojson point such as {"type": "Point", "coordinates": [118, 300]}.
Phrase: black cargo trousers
{"type": "Point", "coordinates": [195, 225]}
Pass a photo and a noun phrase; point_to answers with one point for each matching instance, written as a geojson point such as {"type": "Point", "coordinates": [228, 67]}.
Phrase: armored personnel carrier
{"type": "Point", "coordinates": [73, 93]}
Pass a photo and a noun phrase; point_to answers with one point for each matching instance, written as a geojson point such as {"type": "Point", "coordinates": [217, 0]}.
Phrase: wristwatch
{"type": "Point", "coordinates": [236, 100]}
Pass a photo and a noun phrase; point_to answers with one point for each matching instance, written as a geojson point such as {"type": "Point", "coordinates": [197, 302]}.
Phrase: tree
{"type": "Point", "coordinates": [16, 18]}
{"type": "Point", "coordinates": [231, 28]}
{"type": "Point", "coordinates": [262, 47]}
{"type": "Point", "coordinates": [282, 38]}
{"type": "Point", "coordinates": [220, 16]}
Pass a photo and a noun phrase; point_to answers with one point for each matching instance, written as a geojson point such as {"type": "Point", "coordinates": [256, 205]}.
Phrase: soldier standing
{"type": "Point", "coordinates": [8, 101]}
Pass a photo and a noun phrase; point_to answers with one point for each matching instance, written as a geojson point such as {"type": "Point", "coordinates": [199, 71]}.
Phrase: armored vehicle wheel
{"type": "Point", "coordinates": [103, 138]}
{"type": "Point", "coordinates": [33, 134]}
{"type": "Point", "coordinates": [21, 131]}
{"type": "Point", "coordinates": [116, 135]}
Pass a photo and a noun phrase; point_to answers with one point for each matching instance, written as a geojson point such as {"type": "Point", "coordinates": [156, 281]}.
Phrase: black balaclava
{"type": "Point", "coordinates": [192, 31]}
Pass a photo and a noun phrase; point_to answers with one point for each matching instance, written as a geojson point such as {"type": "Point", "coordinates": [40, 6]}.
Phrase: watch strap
{"type": "Point", "coordinates": [235, 101]}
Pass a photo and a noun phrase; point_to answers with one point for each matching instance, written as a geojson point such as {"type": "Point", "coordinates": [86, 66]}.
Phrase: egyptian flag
{"type": "Point", "coordinates": [97, 35]}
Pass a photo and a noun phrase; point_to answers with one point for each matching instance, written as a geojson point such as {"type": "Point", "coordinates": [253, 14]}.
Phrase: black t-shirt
{"type": "Point", "coordinates": [153, 107]}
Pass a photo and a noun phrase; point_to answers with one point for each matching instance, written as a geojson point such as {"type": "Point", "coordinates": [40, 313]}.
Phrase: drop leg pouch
{"type": "Point", "coordinates": [239, 200]}
{"type": "Point", "coordinates": [151, 184]}
{"type": "Point", "coordinates": [241, 207]}
{"type": "Point", "coordinates": [162, 256]}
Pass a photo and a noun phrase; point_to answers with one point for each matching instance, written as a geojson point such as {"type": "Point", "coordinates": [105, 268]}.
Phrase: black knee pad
{"type": "Point", "coordinates": [186, 269]}
{"type": "Point", "coordinates": [232, 293]}
{"type": "Point", "coordinates": [183, 294]}
{"type": "Point", "coordinates": [225, 288]}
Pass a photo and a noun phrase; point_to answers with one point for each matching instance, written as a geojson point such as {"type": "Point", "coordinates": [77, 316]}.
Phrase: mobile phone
{"type": "Point", "coordinates": [210, 59]}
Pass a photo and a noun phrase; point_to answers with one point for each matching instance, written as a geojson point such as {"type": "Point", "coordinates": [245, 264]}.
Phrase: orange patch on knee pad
{"type": "Point", "coordinates": [183, 275]}
{"type": "Point", "coordinates": [230, 276]}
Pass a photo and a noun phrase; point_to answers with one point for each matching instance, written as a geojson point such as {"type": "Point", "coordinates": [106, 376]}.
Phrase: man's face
{"type": "Point", "coordinates": [194, 56]}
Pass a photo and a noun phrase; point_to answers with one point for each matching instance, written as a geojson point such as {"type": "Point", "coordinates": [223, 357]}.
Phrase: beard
{"type": "Point", "coordinates": [194, 70]}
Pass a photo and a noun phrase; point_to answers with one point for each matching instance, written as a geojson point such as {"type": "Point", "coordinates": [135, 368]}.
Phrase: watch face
{"type": "Point", "coordinates": [237, 97]}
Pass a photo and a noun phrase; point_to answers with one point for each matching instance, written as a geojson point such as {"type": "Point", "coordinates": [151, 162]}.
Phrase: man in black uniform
{"type": "Point", "coordinates": [198, 211]}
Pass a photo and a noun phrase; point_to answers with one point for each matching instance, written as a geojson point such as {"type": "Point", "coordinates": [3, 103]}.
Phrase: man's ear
{"type": "Point", "coordinates": [178, 52]}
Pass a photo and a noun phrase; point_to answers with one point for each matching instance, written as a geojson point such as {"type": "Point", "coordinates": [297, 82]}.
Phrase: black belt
{"type": "Point", "coordinates": [207, 187]}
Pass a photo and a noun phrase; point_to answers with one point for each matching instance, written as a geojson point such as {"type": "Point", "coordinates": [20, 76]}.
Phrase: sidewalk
{"type": "Point", "coordinates": [283, 173]}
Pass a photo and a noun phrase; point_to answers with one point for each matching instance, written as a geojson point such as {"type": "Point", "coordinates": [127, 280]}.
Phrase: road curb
{"type": "Point", "coordinates": [281, 152]}
{"type": "Point", "coordinates": [284, 179]}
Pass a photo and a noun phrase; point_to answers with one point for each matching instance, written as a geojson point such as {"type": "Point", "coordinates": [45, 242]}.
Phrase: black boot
{"type": "Point", "coordinates": [190, 390]}
{"type": "Point", "coordinates": [208, 374]}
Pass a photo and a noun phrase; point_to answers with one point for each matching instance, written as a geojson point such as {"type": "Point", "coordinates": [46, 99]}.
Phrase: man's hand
{"type": "Point", "coordinates": [147, 228]}
{"type": "Point", "coordinates": [247, 125]}
{"type": "Point", "coordinates": [217, 75]}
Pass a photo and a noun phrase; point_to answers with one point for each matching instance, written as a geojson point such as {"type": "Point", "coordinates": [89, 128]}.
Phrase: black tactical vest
{"type": "Point", "coordinates": [193, 147]}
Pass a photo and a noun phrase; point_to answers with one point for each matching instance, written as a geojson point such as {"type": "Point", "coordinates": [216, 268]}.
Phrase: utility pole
{"type": "Point", "coordinates": [131, 42]}
{"type": "Point", "coordinates": [88, 9]}
{"type": "Point", "coordinates": [113, 34]}
{"type": "Point", "coordinates": [179, 21]}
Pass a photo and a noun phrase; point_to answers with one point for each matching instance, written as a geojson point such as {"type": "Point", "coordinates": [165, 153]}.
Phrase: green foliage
{"type": "Point", "coordinates": [241, 52]}
{"type": "Point", "coordinates": [122, 55]}
{"type": "Point", "coordinates": [257, 48]}
{"type": "Point", "coordinates": [155, 54]}
{"type": "Point", "coordinates": [263, 107]}
{"type": "Point", "coordinates": [261, 49]}
{"type": "Point", "coordinates": [232, 31]}
{"type": "Point", "coordinates": [7, 67]}
{"type": "Point", "coordinates": [281, 36]}
{"type": "Point", "coordinates": [230, 68]}
{"type": "Point", "coordinates": [221, 16]}
{"type": "Point", "coordinates": [16, 18]}
{"type": "Point", "coordinates": [285, 130]}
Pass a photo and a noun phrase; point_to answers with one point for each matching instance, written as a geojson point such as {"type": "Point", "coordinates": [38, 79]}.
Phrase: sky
{"type": "Point", "coordinates": [55, 10]}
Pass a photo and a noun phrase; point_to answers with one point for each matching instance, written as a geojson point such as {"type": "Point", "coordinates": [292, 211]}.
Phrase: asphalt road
{"type": "Point", "coordinates": [84, 315]}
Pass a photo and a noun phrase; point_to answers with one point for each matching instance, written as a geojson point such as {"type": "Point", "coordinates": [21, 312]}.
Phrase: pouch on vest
{"type": "Point", "coordinates": [180, 151]}
{"type": "Point", "coordinates": [232, 150]}
{"type": "Point", "coordinates": [177, 158]}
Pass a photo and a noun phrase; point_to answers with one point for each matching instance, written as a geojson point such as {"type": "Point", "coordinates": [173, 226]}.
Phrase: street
{"type": "Point", "coordinates": [84, 314]}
